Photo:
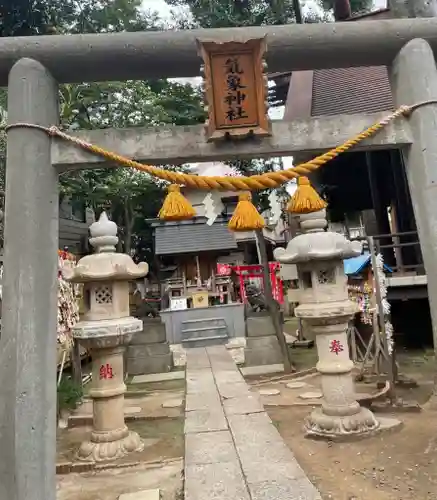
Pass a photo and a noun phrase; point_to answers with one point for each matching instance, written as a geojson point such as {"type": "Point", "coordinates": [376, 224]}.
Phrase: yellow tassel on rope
{"type": "Point", "coordinates": [176, 206]}
{"type": "Point", "coordinates": [246, 216]}
{"type": "Point", "coordinates": [305, 199]}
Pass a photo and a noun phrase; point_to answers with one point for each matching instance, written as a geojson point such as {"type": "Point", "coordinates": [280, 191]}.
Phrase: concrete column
{"type": "Point", "coordinates": [106, 329]}
{"type": "Point", "coordinates": [325, 309]}
{"type": "Point", "coordinates": [339, 398]}
{"type": "Point", "coordinates": [414, 79]}
{"type": "Point", "coordinates": [108, 391]}
{"type": "Point", "coordinates": [110, 438]}
{"type": "Point", "coordinates": [28, 339]}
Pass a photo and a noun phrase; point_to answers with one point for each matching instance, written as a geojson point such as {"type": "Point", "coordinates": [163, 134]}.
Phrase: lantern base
{"type": "Point", "coordinates": [101, 448]}
{"type": "Point", "coordinates": [337, 427]}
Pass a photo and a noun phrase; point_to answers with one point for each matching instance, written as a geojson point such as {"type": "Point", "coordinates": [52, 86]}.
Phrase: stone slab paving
{"type": "Point", "coordinates": [248, 371]}
{"type": "Point", "coordinates": [158, 377]}
{"type": "Point", "coordinates": [232, 449]}
{"type": "Point", "coordinates": [141, 495]}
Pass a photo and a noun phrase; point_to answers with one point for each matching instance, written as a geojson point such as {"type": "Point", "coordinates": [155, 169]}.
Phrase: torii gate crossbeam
{"type": "Point", "coordinates": [170, 54]}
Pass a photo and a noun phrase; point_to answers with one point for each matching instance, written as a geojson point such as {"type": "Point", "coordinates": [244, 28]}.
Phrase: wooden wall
{"type": "Point", "coordinates": [74, 235]}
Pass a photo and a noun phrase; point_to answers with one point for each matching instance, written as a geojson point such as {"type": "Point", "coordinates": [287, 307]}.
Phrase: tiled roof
{"type": "Point", "coordinates": [351, 90]}
{"type": "Point", "coordinates": [179, 238]}
{"type": "Point", "coordinates": [340, 90]}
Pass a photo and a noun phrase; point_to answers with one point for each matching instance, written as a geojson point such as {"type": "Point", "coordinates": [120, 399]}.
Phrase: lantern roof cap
{"type": "Point", "coordinates": [317, 244]}
{"type": "Point", "coordinates": [105, 264]}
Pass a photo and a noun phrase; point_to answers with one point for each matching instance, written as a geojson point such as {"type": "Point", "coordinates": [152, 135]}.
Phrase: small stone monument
{"type": "Point", "coordinates": [106, 328]}
{"type": "Point", "coordinates": [262, 346]}
{"type": "Point", "coordinates": [149, 351]}
{"type": "Point", "coordinates": [326, 310]}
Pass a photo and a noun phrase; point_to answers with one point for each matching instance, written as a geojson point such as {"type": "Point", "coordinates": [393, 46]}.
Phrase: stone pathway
{"type": "Point", "coordinates": [232, 449]}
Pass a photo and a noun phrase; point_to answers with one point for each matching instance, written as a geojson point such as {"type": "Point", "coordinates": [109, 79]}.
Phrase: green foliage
{"type": "Point", "coordinates": [130, 104]}
{"type": "Point", "coordinates": [357, 6]}
{"type": "Point", "coordinates": [46, 17]}
{"type": "Point", "coordinates": [24, 18]}
{"type": "Point", "coordinates": [233, 13]}
{"type": "Point", "coordinates": [69, 394]}
{"type": "Point", "coordinates": [129, 196]}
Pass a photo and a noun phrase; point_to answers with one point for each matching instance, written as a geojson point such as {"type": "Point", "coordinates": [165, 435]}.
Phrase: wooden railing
{"type": "Point", "coordinates": [401, 251]}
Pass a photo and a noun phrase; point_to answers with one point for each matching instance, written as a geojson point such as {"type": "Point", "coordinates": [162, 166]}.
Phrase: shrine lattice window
{"type": "Point", "coordinates": [103, 294]}
{"type": "Point", "coordinates": [326, 276]}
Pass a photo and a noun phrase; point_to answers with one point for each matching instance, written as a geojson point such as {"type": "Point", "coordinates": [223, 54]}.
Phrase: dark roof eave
{"type": "Point", "coordinates": [155, 222]}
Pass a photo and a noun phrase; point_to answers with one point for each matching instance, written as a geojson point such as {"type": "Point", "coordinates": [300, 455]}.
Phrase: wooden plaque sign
{"type": "Point", "coordinates": [235, 89]}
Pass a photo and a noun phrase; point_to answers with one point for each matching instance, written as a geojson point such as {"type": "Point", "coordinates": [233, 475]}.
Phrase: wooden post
{"type": "Point", "coordinates": [380, 210]}
{"type": "Point", "coordinates": [199, 277]}
{"type": "Point", "coordinates": [388, 362]}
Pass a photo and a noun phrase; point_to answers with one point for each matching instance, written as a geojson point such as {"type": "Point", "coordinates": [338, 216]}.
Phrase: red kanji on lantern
{"type": "Point", "coordinates": [106, 372]}
{"type": "Point", "coordinates": [336, 346]}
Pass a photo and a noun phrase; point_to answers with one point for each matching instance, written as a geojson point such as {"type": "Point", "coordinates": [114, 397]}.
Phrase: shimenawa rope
{"type": "Point", "coordinates": [176, 207]}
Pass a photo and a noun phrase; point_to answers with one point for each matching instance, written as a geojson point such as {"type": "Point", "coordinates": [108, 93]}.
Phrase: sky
{"type": "Point", "coordinates": [158, 5]}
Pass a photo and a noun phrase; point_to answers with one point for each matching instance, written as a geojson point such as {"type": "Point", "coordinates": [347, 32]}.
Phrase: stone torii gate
{"type": "Point", "coordinates": [33, 67]}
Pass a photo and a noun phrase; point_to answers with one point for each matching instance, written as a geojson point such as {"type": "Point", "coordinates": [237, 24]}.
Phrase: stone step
{"type": "Point", "coordinates": [206, 331]}
{"type": "Point", "coordinates": [149, 336]}
{"type": "Point", "coordinates": [202, 323]}
{"type": "Point", "coordinates": [149, 364]}
{"type": "Point", "coordinates": [153, 332]}
{"type": "Point", "coordinates": [205, 341]}
{"type": "Point", "coordinates": [147, 350]}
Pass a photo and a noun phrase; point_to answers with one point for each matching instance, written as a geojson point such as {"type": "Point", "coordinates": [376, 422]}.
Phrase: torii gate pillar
{"type": "Point", "coordinates": [414, 80]}
{"type": "Point", "coordinates": [28, 338]}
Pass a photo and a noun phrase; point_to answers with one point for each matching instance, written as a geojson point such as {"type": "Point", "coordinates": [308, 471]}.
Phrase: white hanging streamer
{"type": "Point", "coordinates": [275, 207]}
{"type": "Point", "coordinates": [385, 304]}
{"type": "Point", "coordinates": [213, 206]}
{"type": "Point", "coordinates": [389, 334]}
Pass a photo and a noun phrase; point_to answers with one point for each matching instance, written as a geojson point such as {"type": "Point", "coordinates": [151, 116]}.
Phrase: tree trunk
{"type": "Point", "coordinates": [342, 10]}
{"type": "Point", "coordinates": [271, 303]}
{"type": "Point", "coordinates": [127, 229]}
{"type": "Point", "coordinates": [119, 222]}
{"type": "Point", "coordinates": [129, 221]}
{"type": "Point", "coordinates": [297, 11]}
{"type": "Point", "coordinates": [76, 365]}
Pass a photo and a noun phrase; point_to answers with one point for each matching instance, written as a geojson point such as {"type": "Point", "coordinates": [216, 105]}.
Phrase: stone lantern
{"type": "Point", "coordinates": [325, 309]}
{"type": "Point", "coordinates": [106, 328]}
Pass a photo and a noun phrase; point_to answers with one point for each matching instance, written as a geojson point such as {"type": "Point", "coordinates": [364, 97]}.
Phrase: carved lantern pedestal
{"type": "Point", "coordinates": [106, 329]}
{"type": "Point", "coordinates": [326, 310]}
